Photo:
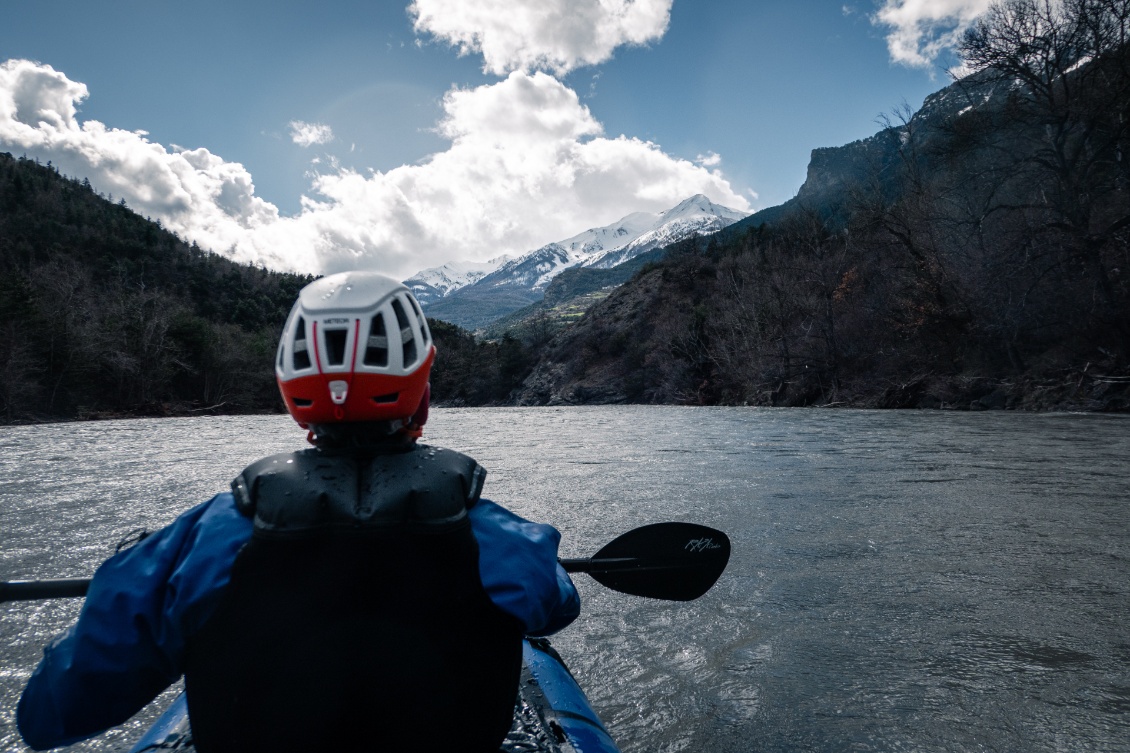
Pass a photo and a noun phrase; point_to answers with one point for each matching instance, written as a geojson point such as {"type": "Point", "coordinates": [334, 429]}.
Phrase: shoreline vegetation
{"type": "Point", "coordinates": [1085, 393]}
{"type": "Point", "coordinates": [972, 255]}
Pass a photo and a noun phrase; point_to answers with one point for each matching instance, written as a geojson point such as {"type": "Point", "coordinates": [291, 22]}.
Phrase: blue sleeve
{"type": "Point", "coordinates": [518, 567]}
{"type": "Point", "coordinates": [128, 643]}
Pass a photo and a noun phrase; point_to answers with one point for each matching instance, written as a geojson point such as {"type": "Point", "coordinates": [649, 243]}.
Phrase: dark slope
{"type": "Point", "coordinates": [102, 312]}
{"type": "Point", "coordinates": [974, 255]}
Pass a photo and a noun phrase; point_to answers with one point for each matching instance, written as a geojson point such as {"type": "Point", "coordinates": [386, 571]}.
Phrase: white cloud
{"type": "Point", "coordinates": [308, 134]}
{"type": "Point", "coordinates": [554, 35]}
{"type": "Point", "coordinates": [921, 30]}
{"type": "Point", "coordinates": [710, 159]}
{"type": "Point", "coordinates": [194, 192]}
{"type": "Point", "coordinates": [527, 164]}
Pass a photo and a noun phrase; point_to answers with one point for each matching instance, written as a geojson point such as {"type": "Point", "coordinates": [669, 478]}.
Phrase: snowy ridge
{"type": "Point", "coordinates": [601, 247]}
{"type": "Point", "coordinates": [697, 215]}
{"type": "Point", "coordinates": [437, 282]}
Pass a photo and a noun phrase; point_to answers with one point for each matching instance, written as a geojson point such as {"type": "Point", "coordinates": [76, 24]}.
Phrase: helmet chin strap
{"type": "Point", "coordinates": [420, 417]}
{"type": "Point", "coordinates": [361, 434]}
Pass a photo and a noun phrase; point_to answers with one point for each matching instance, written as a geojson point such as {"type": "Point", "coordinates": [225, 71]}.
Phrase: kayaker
{"type": "Point", "coordinates": [359, 595]}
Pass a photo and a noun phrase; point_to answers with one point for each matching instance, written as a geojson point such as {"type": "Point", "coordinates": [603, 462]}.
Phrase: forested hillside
{"type": "Point", "coordinates": [975, 254]}
{"type": "Point", "coordinates": [103, 313]}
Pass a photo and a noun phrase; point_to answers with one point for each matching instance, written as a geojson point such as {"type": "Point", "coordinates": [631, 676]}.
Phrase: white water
{"type": "Point", "coordinates": [900, 580]}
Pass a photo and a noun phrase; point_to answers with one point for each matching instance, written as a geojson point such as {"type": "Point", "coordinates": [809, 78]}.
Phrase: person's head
{"type": "Point", "coordinates": [355, 356]}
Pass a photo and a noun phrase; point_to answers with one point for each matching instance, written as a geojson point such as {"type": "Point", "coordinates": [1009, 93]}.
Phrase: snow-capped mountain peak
{"type": "Point", "coordinates": [614, 244]}
{"type": "Point", "coordinates": [437, 282]}
{"type": "Point", "coordinates": [513, 281]}
{"type": "Point", "coordinates": [697, 215]}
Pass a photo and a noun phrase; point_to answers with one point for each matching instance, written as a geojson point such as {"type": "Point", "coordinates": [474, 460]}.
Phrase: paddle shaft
{"type": "Point", "coordinates": [61, 588]}
{"type": "Point", "coordinates": [27, 590]}
{"type": "Point", "coordinates": [671, 561]}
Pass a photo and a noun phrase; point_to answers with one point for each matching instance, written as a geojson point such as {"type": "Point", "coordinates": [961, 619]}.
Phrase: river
{"type": "Point", "coordinates": [900, 581]}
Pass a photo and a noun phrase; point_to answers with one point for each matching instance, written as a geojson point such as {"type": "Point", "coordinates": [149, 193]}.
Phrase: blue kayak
{"type": "Point", "coordinates": [552, 713]}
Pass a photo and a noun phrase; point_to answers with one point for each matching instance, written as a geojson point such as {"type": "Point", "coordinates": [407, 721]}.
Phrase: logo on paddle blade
{"type": "Point", "coordinates": [701, 545]}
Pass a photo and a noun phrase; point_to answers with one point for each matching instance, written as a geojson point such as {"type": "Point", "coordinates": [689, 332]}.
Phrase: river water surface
{"type": "Point", "coordinates": [901, 581]}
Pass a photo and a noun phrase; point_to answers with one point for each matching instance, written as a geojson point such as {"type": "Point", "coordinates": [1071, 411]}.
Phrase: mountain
{"type": "Point", "coordinates": [432, 284]}
{"type": "Point", "coordinates": [697, 215]}
{"type": "Point", "coordinates": [972, 255]}
{"type": "Point", "coordinates": [516, 283]}
{"type": "Point", "coordinates": [837, 176]}
{"type": "Point", "coordinates": [568, 296]}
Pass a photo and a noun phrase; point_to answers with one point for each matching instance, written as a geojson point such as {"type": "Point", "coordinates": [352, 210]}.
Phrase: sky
{"type": "Point", "coordinates": [320, 137]}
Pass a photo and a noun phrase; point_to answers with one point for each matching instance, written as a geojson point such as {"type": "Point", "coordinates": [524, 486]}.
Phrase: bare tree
{"type": "Point", "coordinates": [1068, 64]}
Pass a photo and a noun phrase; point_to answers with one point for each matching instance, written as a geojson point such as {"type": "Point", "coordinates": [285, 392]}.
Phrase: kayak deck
{"type": "Point", "coordinates": [552, 714]}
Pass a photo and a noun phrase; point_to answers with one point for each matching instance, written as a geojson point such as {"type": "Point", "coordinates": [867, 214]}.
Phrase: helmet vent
{"type": "Point", "coordinates": [382, 399]}
{"type": "Point", "coordinates": [301, 354]}
{"type": "Point", "coordinates": [423, 322]}
{"type": "Point", "coordinates": [335, 346]}
{"type": "Point", "coordinates": [301, 403]}
{"type": "Point", "coordinates": [406, 336]}
{"type": "Point", "coordinates": [409, 348]}
{"type": "Point", "coordinates": [376, 352]}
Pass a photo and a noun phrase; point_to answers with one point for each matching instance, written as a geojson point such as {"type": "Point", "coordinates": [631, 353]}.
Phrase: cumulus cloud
{"type": "Point", "coordinates": [194, 192]}
{"type": "Point", "coordinates": [553, 35]}
{"type": "Point", "coordinates": [527, 164]}
{"type": "Point", "coordinates": [308, 134]}
{"type": "Point", "coordinates": [921, 30]}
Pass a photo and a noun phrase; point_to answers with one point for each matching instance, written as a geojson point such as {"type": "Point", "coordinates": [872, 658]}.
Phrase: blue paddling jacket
{"type": "Point", "coordinates": [331, 600]}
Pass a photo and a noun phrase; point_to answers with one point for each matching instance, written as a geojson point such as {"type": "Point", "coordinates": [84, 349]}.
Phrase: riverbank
{"type": "Point", "coordinates": [1069, 390]}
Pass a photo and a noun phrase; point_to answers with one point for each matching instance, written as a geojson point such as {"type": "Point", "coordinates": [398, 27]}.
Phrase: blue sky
{"type": "Point", "coordinates": [346, 134]}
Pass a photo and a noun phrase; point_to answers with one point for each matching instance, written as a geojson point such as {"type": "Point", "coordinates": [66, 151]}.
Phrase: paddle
{"type": "Point", "coordinates": [673, 561]}
{"type": "Point", "coordinates": [25, 590]}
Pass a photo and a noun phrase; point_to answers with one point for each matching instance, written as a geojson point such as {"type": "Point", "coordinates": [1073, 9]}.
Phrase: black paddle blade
{"type": "Point", "coordinates": [674, 561]}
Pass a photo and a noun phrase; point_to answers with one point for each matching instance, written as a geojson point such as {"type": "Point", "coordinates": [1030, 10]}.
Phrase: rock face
{"type": "Point", "coordinates": [834, 173]}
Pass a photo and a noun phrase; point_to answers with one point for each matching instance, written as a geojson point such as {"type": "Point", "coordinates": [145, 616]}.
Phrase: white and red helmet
{"type": "Point", "coordinates": [356, 347]}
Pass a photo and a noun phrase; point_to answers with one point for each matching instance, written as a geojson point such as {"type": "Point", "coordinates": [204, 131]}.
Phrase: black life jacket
{"type": "Point", "coordinates": [355, 618]}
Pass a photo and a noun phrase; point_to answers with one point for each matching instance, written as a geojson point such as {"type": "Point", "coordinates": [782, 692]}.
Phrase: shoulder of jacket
{"type": "Point", "coordinates": [244, 487]}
